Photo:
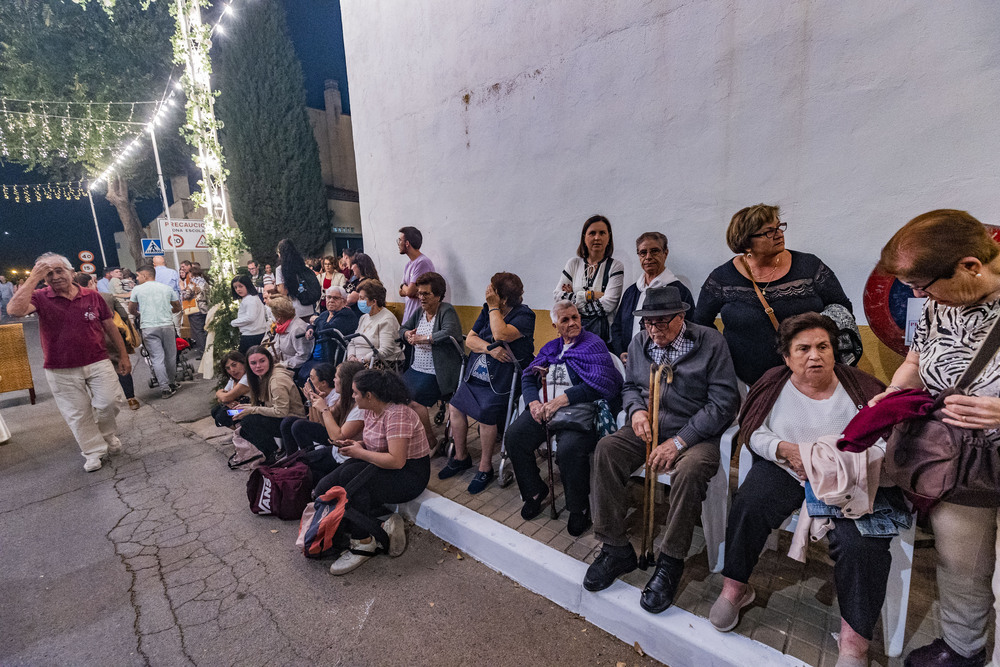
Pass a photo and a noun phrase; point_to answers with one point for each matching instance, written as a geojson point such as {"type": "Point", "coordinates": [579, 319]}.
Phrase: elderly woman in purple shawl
{"type": "Point", "coordinates": [578, 369]}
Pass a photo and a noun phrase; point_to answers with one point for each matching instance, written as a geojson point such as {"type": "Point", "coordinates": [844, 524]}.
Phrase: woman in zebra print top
{"type": "Point", "coordinates": [950, 257]}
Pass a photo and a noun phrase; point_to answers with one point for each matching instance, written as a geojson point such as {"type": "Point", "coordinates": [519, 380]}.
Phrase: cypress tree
{"type": "Point", "coordinates": [275, 185]}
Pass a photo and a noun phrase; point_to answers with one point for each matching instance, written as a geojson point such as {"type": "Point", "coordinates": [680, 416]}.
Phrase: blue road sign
{"type": "Point", "coordinates": [151, 247]}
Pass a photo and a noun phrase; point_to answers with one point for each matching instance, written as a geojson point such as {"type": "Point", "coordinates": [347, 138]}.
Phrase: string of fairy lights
{"type": "Point", "coordinates": [38, 192]}
{"type": "Point", "coordinates": [164, 106]}
{"type": "Point", "coordinates": [36, 131]}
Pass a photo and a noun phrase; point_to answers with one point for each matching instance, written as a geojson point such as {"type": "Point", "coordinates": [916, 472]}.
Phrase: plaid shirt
{"type": "Point", "coordinates": [673, 351]}
{"type": "Point", "coordinates": [396, 421]}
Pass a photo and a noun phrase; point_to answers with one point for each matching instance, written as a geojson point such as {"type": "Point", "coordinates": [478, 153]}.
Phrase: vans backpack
{"type": "Point", "coordinates": [282, 489]}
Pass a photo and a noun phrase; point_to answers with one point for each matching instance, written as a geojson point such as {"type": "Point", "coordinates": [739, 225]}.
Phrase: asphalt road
{"type": "Point", "coordinates": [156, 560]}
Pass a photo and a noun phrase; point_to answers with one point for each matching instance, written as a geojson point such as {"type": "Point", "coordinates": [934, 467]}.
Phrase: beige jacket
{"type": "Point", "coordinates": [281, 398]}
{"type": "Point", "coordinates": [848, 480]}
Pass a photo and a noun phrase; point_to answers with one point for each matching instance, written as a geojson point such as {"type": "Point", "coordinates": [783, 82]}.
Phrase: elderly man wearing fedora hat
{"type": "Point", "coordinates": [695, 408]}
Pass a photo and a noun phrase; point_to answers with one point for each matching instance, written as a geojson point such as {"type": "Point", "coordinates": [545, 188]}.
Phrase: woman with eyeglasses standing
{"type": "Point", "coordinates": [949, 257]}
{"type": "Point", "coordinates": [791, 283]}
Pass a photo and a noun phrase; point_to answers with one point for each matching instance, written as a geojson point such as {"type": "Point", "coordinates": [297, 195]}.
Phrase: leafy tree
{"type": "Point", "coordinates": [275, 185]}
{"type": "Point", "coordinates": [55, 50]}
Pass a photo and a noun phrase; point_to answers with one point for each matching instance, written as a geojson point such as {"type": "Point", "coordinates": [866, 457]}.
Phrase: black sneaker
{"type": "Point", "coordinates": [609, 566]}
{"type": "Point", "coordinates": [454, 467]}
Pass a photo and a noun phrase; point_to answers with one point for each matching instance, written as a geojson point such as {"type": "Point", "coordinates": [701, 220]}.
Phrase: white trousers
{"type": "Point", "coordinates": [88, 398]}
{"type": "Point", "coordinates": [968, 581]}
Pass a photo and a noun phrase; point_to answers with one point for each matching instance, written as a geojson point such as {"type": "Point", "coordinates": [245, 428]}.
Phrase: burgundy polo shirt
{"type": "Point", "coordinates": [71, 331]}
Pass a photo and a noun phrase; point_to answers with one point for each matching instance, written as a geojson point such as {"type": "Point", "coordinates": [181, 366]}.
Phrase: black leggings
{"type": "Point", "coordinates": [573, 452]}
{"type": "Point", "coordinates": [766, 498]}
{"type": "Point", "coordinates": [246, 342]}
{"type": "Point", "coordinates": [261, 431]}
{"type": "Point", "coordinates": [300, 433]}
{"type": "Point", "coordinates": [383, 486]}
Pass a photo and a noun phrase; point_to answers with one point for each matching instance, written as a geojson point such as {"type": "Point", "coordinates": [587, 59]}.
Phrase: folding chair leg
{"type": "Point", "coordinates": [897, 591]}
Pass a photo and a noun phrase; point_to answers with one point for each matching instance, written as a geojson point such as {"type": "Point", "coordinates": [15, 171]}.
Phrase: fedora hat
{"type": "Point", "coordinates": [662, 301]}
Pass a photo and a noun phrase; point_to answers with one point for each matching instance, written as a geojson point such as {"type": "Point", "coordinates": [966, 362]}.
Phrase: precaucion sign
{"type": "Point", "coordinates": [184, 234]}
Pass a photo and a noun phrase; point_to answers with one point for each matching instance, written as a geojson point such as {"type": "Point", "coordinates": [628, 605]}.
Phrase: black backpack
{"type": "Point", "coordinates": [309, 291]}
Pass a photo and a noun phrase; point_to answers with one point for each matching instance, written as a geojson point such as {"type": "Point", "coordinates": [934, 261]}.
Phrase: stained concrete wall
{"type": "Point", "coordinates": [497, 127]}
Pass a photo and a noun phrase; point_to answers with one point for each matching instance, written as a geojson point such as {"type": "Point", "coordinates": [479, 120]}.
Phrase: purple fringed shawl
{"type": "Point", "coordinates": [589, 358]}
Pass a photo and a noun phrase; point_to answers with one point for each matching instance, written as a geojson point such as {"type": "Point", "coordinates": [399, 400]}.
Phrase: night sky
{"type": "Point", "coordinates": [28, 230]}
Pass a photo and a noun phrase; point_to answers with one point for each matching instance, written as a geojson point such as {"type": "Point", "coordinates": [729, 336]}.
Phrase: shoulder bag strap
{"type": "Point", "coordinates": [983, 355]}
{"type": "Point", "coordinates": [760, 295]}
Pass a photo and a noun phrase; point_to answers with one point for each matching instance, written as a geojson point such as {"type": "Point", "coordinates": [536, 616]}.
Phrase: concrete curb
{"type": "Point", "coordinates": [676, 637]}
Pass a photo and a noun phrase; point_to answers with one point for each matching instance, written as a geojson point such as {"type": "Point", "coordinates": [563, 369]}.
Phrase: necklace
{"type": "Point", "coordinates": [770, 276]}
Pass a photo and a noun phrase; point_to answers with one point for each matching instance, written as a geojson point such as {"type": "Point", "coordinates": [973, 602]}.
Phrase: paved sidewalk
{"type": "Point", "coordinates": [156, 560]}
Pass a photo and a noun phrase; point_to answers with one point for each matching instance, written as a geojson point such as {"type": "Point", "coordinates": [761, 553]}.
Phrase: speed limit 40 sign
{"type": "Point", "coordinates": [86, 256]}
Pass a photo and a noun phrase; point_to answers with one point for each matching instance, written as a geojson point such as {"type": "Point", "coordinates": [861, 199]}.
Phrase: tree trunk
{"type": "Point", "coordinates": [119, 198]}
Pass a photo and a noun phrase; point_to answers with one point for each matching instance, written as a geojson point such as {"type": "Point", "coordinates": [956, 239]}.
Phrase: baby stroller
{"type": "Point", "coordinates": [185, 369]}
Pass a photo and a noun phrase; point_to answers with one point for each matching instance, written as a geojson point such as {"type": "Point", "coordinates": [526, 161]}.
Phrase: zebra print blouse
{"type": "Point", "coordinates": [946, 339]}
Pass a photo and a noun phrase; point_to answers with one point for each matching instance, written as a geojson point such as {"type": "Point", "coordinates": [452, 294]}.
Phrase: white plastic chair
{"type": "Point", "coordinates": [897, 592]}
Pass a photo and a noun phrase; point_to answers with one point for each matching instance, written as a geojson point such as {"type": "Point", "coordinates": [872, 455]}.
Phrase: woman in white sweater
{"type": "Point", "coordinates": [251, 319]}
{"type": "Point", "coordinates": [593, 280]}
{"type": "Point", "coordinates": [377, 323]}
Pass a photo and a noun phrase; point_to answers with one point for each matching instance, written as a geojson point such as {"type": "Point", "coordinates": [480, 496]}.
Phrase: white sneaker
{"type": "Point", "coordinates": [93, 463]}
{"type": "Point", "coordinates": [114, 445]}
{"type": "Point", "coordinates": [396, 530]}
{"type": "Point", "coordinates": [352, 559]}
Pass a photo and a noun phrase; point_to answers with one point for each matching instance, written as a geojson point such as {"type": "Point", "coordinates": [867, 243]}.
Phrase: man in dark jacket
{"type": "Point", "coordinates": [696, 406]}
{"type": "Point", "coordinates": [651, 247]}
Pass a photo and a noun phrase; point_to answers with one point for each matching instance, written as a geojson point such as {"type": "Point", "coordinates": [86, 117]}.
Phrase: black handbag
{"type": "Point", "coordinates": [934, 461]}
{"type": "Point", "coordinates": [576, 417]}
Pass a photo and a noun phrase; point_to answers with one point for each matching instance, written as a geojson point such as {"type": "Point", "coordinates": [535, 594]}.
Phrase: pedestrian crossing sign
{"type": "Point", "coordinates": [151, 247]}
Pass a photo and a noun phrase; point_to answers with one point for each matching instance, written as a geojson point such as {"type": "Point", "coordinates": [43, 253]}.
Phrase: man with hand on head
{"type": "Point", "coordinates": [72, 322]}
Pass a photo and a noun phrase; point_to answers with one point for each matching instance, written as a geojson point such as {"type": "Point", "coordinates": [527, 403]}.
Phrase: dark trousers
{"type": "Point", "coordinates": [300, 433]}
{"type": "Point", "coordinates": [573, 451]}
{"type": "Point", "coordinates": [767, 497]}
{"type": "Point", "coordinates": [197, 322]}
{"type": "Point", "coordinates": [382, 486]}
{"type": "Point", "coordinates": [221, 415]}
{"type": "Point", "coordinates": [246, 342]}
{"type": "Point", "coordinates": [128, 386]}
{"type": "Point", "coordinates": [261, 431]}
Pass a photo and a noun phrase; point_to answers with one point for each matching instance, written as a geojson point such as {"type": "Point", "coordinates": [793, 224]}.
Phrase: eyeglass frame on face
{"type": "Point", "coordinates": [650, 252]}
{"type": "Point", "coordinates": [928, 285]}
{"type": "Point", "coordinates": [659, 326]}
{"type": "Point", "coordinates": [780, 227]}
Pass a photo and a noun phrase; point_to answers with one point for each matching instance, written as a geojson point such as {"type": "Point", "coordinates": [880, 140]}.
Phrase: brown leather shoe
{"type": "Point", "coordinates": [939, 654]}
{"type": "Point", "coordinates": [133, 403]}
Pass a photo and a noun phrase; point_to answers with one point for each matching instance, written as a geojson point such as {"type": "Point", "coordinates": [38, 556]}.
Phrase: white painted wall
{"type": "Point", "coordinates": [498, 126]}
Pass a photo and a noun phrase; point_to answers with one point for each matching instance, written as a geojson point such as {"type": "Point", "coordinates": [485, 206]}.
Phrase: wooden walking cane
{"type": "Point", "coordinates": [548, 446]}
{"type": "Point", "coordinates": [646, 555]}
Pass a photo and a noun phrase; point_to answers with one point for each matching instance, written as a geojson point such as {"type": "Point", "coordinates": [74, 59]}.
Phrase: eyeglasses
{"type": "Point", "coordinates": [658, 325]}
{"type": "Point", "coordinates": [650, 252]}
{"type": "Point", "coordinates": [769, 233]}
{"type": "Point", "coordinates": [928, 285]}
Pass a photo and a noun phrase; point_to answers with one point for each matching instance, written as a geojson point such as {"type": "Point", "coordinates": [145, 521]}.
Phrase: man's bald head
{"type": "Point", "coordinates": [159, 261]}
